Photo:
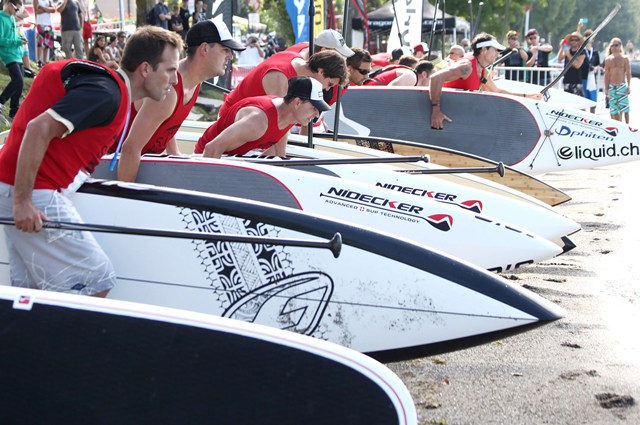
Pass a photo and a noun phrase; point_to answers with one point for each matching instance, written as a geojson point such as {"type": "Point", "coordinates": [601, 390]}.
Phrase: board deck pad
{"type": "Point", "coordinates": [499, 128]}
{"type": "Point", "coordinates": [80, 360]}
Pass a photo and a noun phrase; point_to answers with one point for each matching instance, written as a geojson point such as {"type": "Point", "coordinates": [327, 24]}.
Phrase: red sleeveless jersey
{"type": "Point", "coordinates": [471, 83]}
{"type": "Point", "coordinates": [65, 157]}
{"type": "Point", "coordinates": [251, 85]}
{"type": "Point", "coordinates": [297, 48]}
{"type": "Point", "coordinates": [161, 137]}
{"type": "Point", "coordinates": [270, 137]}
{"type": "Point", "coordinates": [387, 75]}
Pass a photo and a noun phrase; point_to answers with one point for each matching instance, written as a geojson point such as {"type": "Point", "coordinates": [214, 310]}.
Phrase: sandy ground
{"type": "Point", "coordinates": [555, 374]}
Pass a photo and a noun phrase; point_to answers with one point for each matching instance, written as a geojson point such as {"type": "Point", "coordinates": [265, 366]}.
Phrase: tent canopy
{"type": "Point", "coordinates": [380, 20]}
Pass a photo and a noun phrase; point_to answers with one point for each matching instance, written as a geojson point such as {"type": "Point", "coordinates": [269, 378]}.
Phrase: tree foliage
{"type": "Point", "coordinates": [552, 18]}
{"type": "Point", "coordinates": [274, 14]}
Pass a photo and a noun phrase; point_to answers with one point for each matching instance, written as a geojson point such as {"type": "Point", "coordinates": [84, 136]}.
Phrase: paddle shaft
{"type": "Point", "coordinates": [334, 244]}
{"type": "Point", "coordinates": [345, 161]}
{"type": "Point", "coordinates": [581, 49]}
{"type": "Point", "coordinates": [497, 169]}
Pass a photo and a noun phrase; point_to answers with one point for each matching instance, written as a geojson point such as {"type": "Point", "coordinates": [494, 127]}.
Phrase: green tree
{"type": "Point", "coordinates": [273, 13]}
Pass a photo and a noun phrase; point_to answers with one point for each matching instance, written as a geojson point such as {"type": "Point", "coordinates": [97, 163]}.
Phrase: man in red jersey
{"type": "Point", "coordinates": [71, 116]}
{"type": "Point", "coordinates": [209, 47]}
{"type": "Point", "coordinates": [271, 76]}
{"type": "Point", "coordinates": [263, 122]}
{"type": "Point", "coordinates": [469, 73]}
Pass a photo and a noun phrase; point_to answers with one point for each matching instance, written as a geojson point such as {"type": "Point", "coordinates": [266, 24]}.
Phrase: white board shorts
{"type": "Point", "coordinates": [55, 260]}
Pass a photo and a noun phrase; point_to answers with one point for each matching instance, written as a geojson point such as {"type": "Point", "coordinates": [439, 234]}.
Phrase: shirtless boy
{"type": "Point", "coordinates": [617, 79]}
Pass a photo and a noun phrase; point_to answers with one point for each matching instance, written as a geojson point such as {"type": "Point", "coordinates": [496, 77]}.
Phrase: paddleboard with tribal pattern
{"type": "Point", "coordinates": [384, 296]}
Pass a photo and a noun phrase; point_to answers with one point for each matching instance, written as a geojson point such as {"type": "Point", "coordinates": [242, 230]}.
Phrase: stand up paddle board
{"type": "Point", "coordinates": [479, 239]}
{"type": "Point", "coordinates": [515, 179]}
{"type": "Point", "coordinates": [539, 219]}
{"type": "Point", "coordinates": [383, 296]}
{"type": "Point", "coordinates": [150, 365]}
{"type": "Point", "coordinates": [531, 136]}
{"type": "Point", "coordinates": [557, 97]}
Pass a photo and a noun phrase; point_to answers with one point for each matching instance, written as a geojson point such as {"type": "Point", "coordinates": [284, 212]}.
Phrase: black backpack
{"type": "Point", "coordinates": [151, 16]}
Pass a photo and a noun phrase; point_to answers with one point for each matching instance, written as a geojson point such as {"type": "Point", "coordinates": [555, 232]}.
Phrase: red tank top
{"type": "Point", "coordinates": [471, 83]}
{"type": "Point", "coordinates": [251, 85]}
{"type": "Point", "coordinates": [270, 137]}
{"type": "Point", "coordinates": [385, 77]}
{"type": "Point", "coordinates": [161, 137]}
{"type": "Point", "coordinates": [79, 150]}
{"type": "Point", "coordinates": [297, 48]}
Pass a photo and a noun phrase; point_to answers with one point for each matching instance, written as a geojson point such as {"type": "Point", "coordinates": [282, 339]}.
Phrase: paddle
{"type": "Point", "coordinates": [581, 49]}
{"type": "Point", "coordinates": [497, 169]}
{"type": "Point", "coordinates": [334, 244]}
{"type": "Point", "coordinates": [339, 161]}
{"type": "Point", "coordinates": [215, 86]}
{"type": "Point", "coordinates": [433, 27]}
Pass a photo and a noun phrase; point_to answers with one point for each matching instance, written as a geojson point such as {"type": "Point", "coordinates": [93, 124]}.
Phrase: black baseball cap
{"type": "Point", "coordinates": [307, 88]}
{"type": "Point", "coordinates": [212, 31]}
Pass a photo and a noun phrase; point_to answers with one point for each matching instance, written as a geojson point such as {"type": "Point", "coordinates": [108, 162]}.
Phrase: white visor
{"type": "Point", "coordinates": [490, 43]}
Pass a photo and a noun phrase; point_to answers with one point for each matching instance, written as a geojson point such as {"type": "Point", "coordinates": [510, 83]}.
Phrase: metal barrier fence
{"type": "Point", "coordinates": [539, 75]}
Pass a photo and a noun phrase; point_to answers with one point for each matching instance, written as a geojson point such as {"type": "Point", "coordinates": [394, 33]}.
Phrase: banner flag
{"type": "Point", "coordinates": [407, 23]}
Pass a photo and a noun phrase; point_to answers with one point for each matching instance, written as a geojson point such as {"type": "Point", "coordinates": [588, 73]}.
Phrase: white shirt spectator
{"type": "Point", "coordinates": [252, 55]}
{"type": "Point", "coordinates": [44, 19]}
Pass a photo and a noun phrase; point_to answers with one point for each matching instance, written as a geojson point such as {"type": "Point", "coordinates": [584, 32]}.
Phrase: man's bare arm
{"type": "Point", "coordinates": [251, 124]}
{"type": "Point", "coordinates": [151, 114]}
{"type": "Point", "coordinates": [461, 69]}
{"type": "Point", "coordinates": [275, 83]}
{"type": "Point", "coordinates": [38, 135]}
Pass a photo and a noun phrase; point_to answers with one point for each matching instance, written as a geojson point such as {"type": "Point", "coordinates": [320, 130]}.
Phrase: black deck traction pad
{"type": "Point", "coordinates": [493, 127]}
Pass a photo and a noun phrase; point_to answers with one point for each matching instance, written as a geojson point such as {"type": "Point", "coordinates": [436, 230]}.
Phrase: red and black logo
{"type": "Point", "coordinates": [442, 222]}
{"type": "Point", "coordinates": [611, 131]}
{"type": "Point", "coordinates": [475, 206]}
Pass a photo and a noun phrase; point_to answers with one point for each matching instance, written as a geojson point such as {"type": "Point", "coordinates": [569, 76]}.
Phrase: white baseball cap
{"type": "Point", "coordinates": [333, 40]}
{"type": "Point", "coordinates": [490, 43]}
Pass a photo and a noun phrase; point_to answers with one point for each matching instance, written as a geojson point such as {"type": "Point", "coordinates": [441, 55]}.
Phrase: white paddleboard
{"type": "Point", "coordinates": [383, 296]}
{"type": "Point", "coordinates": [482, 240]}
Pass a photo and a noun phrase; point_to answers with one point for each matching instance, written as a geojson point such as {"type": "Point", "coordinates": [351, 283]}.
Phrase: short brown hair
{"type": "Point", "coordinates": [333, 64]}
{"type": "Point", "coordinates": [408, 60]}
{"type": "Point", "coordinates": [147, 44]}
{"type": "Point", "coordinates": [359, 56]}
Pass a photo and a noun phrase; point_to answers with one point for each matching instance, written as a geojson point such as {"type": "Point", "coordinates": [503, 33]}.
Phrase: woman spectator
{"type": "Point", "coordinates": [99, 54]}
{"type": "Point", "coordinates": [200, 13]}
{"type": "Point", "coordinates": [112, 49]}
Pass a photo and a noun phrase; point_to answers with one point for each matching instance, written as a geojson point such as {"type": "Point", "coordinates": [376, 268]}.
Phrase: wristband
{"type": "Point", "coordinates": [435, 104]}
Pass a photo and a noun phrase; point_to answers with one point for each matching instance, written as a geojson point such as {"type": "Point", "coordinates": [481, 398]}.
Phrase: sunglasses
{"type": "Point", "coordinates": [16, 8]}
{"type": "Point", "coordinates": [363, 71]}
